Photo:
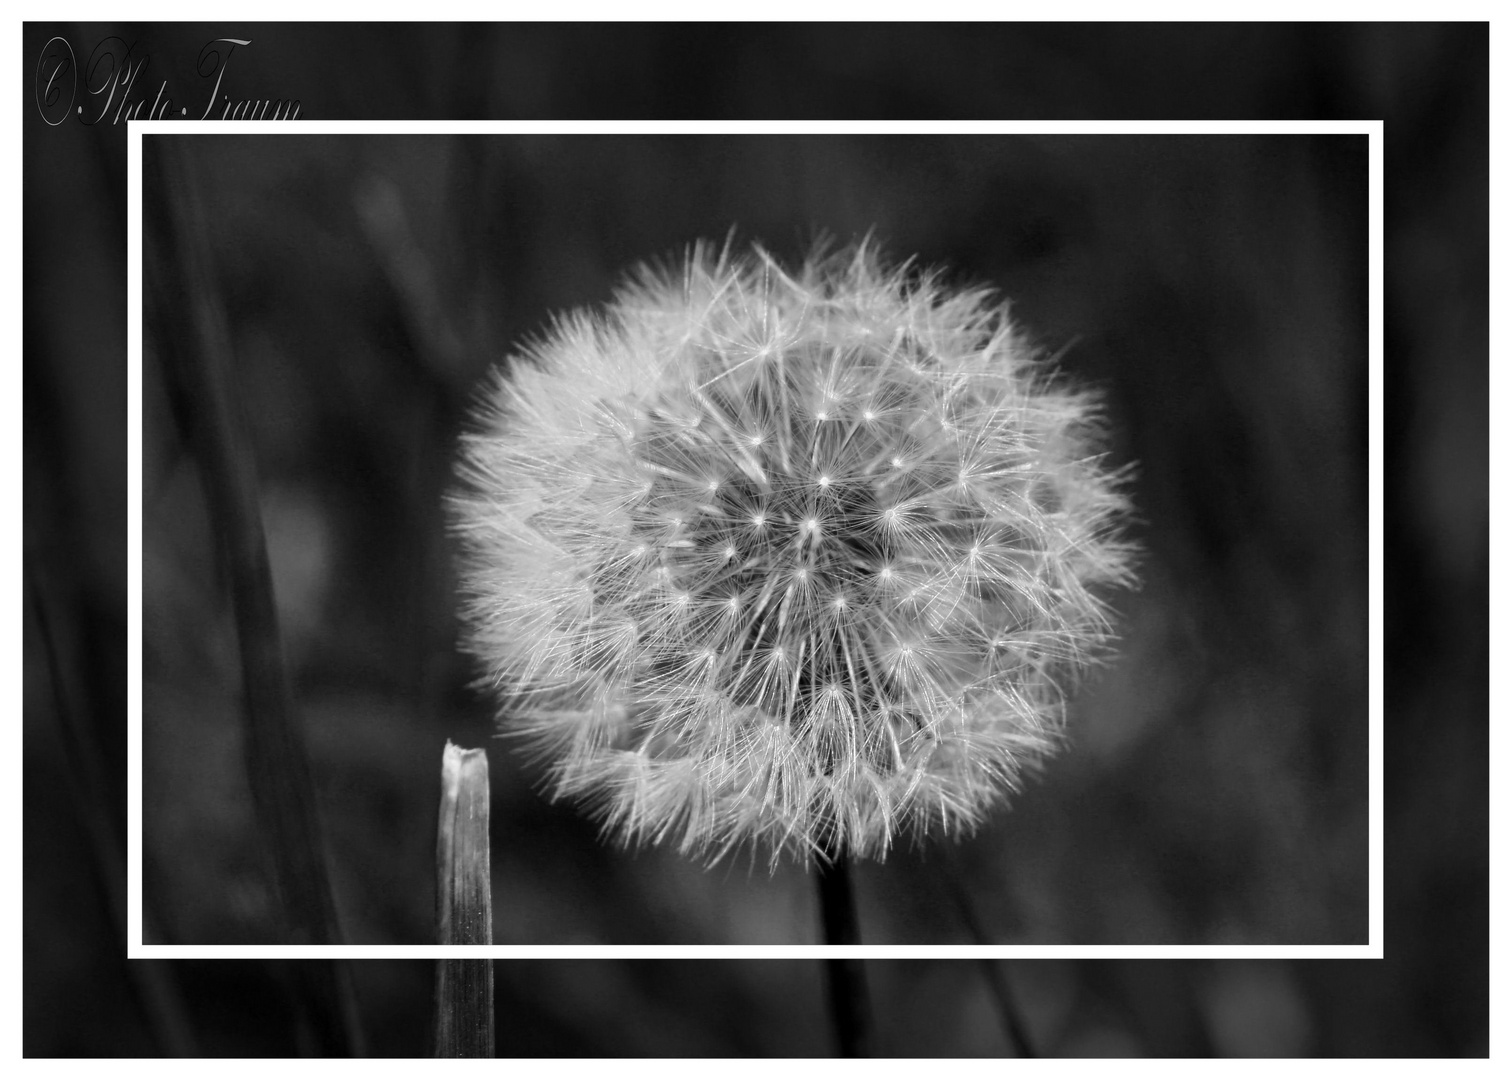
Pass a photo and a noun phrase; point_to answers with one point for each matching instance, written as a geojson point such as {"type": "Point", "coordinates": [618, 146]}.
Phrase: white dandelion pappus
{"type": "Point", "coordinates": [804, 561]}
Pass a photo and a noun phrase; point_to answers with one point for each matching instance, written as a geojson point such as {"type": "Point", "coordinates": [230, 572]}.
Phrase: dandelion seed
{"type": "Point", "coordinates": [832, 627]}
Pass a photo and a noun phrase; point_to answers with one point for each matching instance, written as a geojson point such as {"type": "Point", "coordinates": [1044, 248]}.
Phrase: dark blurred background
{"type": "Point", "coordinates": [1214, 287]}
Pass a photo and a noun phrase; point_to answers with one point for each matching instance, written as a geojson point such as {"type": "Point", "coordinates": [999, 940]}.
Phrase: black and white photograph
{"type": "Point", "coordinates": [772, 560]}
{"type": "Point", "coordinates": [754, 532]}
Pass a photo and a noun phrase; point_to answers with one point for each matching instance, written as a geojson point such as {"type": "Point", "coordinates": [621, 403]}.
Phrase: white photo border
{"type": "Point", "coordinates": [136, 949]}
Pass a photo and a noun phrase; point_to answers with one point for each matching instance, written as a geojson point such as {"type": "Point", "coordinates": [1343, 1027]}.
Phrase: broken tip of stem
{"type": "Point", "coordinates": [464, 906]}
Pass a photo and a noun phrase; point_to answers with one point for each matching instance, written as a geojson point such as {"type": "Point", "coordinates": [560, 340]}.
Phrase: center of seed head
{"type": "Point", "coordinates": [781, 548]}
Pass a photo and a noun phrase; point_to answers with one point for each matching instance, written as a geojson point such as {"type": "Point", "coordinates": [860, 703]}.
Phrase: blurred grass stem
{"type": "Point", "coordinates": [995, 971]}
{"type": "Point", "coordinates": [278, 766]}
{"type": "Point", "coordinates": [152, 981]}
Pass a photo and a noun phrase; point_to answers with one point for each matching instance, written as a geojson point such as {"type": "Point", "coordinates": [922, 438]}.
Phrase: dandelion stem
{"type": "Point", "coordinates": [845, 975]}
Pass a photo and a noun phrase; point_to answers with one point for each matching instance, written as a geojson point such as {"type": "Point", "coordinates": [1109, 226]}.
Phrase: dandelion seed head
{"type": "Point", "coordinates": [802, 560]}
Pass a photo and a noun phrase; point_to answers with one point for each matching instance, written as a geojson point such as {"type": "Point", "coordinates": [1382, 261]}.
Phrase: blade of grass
{"type": "Point", "coordinates": [995, 971]}
{"type": "Point", "coordinates": [156, 990]}
{"type": "Point", "coordinates": [283, 790]}
{"type": "Point", "coordinates": [464, 1024]}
